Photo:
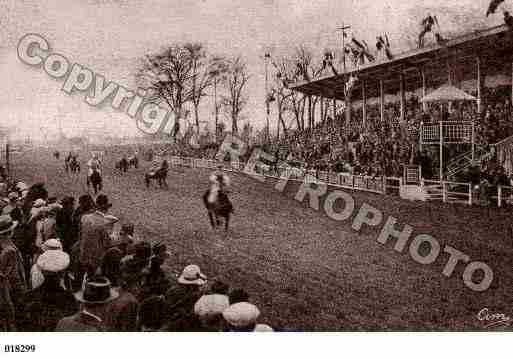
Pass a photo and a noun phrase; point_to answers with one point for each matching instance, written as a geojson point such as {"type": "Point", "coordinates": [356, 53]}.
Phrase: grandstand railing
{"type": "Point", "coordinates": [445, 191]}
{"type": "Point", "coordinates": [504, 196]}
{"type": "Point", "coordinates": [362, 183]}
{"type": "Point", "coordinates": [449, 192]}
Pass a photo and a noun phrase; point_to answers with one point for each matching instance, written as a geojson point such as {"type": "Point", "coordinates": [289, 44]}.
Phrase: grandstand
{"type": "Point", "coordinates": [473, 62]}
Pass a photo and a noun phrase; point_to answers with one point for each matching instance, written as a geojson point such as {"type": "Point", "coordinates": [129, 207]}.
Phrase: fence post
{"type": "Point", "coordinates": [470, 194]}
{"type": "Point", "coordinates": [384, 179]}
{"type": "Point", "coordinates": [444, 192]}
{"type": "Point", "coordinates": [499, 195]}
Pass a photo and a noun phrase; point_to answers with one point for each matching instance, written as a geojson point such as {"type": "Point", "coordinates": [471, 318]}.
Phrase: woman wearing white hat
{"type": "Point", "coordinates": [36, 274]}
{"type": "Point", "coordinates": [50, 301]}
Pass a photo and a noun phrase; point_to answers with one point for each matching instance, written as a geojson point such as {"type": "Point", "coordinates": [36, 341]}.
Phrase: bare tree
{"type": "Point", "coordinates": [234, 101]}
{"type": "Point", "coordinates": [205, 72]}
{"type": "Point", "coordinates": [168, 76]}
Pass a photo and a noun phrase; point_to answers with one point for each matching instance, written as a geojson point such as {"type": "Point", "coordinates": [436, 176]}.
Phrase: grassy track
{"type": "Point", "coordinates": [304, 270]}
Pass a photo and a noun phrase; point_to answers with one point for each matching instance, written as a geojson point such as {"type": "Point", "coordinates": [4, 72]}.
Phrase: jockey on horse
{"type": "Point", "coordinates": [94, 164]}
{"type": "Point", "coordinates": [219, 183]}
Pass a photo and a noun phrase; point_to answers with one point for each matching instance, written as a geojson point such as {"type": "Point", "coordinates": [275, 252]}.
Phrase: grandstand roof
{"type": "Point", "coordinates": [494, 46]}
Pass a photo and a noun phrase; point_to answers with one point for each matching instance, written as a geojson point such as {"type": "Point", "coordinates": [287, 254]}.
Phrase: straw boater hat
{"type": "Point", "coordinates": [97, 290]}
{"type": "Point", "coordinates": [263, 328]}
{"type": "Point", "coordinates": [211, 305]}
{"type": "Point", "coordinates": [192, 275]}
{"type": "Point", "coordinates": [39, 203]}
{"type": "Point", "coordinates": [53, 261]}
{"type": "Point", "coordinates": [241, 315]}
{"type": "Point", "coordinates": [7, 224]}
{"type": "Point", "coordinates": [51, 244]}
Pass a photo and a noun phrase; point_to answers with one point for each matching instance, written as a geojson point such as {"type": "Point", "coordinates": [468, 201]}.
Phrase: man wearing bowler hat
{"type": "Point", "coordinates": [94, 236]}
{"type": "Point", "coordinates": [94, 298]}
{"type": "Point", "coordinates": [12, 272]}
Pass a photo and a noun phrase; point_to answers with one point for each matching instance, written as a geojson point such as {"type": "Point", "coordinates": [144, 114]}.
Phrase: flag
{"type": "Point", "coordinates": [494, 4]}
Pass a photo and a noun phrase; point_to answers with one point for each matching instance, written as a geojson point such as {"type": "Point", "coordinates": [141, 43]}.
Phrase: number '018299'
{"type": "Point", "coordinates": [19, 348]}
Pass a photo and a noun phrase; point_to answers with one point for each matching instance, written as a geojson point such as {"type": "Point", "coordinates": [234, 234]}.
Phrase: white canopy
{"type": "Point", "coordinates": [446, 93]}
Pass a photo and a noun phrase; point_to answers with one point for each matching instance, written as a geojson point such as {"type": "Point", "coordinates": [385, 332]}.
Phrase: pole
{"type": "Point", "coordinates": [267, 96]}
{"type": "Point", "coordinates": [216, 109]}
{"type": "Point", "coordinates": [7, 160]}
{"type": "Point", "coordinates": [473, 141]}
{"type": "Point", "coordinates": [441, 152]}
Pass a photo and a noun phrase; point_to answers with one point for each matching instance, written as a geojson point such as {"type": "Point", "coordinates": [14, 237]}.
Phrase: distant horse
{"type": "Point", "coordinates": [159, 175]}
{"type": "Point", "coordinates": [122, 165]}
{"type": "Point", "coordinates": [96, 180]}
{"type": "Point", "coordinates": [56, 154]}
{"type": "Point", "coordinates": [222, 207]}
{"type": "Point", "coordinates": [133, 161]}
{"type": "Point", "coordinates": [71, 163]}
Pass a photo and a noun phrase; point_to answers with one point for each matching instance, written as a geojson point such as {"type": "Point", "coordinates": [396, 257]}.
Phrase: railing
{"type": "Point", "coordinates": [341, 180]}
{"type": "Point", "coordinates": [445, 191]}
{"type": "Point", "coordinates": [504, 196]}
{"type": "Point", "coordinates": [449, 192]}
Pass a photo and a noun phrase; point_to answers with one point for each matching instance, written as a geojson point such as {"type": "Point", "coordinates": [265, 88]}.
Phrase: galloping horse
{"type": "Point", "coordinates": [95, 178]}
{"type": "Point", "coordinates": [216, 200]}
{"type": "Point", "coordinates": [221, 207]}
{"type": "Point", "coordinates": [159, 174]}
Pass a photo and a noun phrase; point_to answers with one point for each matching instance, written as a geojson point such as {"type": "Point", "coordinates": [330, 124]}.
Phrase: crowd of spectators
{"type": "Point", "coordinates": [77, 268]}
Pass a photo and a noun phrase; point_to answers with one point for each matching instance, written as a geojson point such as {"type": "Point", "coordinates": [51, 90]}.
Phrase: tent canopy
{"type": "Point", "coordinates": [446, 93]}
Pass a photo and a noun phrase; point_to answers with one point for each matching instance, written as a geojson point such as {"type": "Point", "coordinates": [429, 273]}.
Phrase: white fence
{"type": "Point", "coordinates": [445, 191]}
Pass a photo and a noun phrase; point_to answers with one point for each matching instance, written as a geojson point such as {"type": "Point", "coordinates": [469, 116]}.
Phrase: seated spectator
{"type": "Point", "coordinates": [49, 302]}
{"type": "Point", "coordinates": [95, 297]}
{"type": "Point", "coordinates": [241, 317]}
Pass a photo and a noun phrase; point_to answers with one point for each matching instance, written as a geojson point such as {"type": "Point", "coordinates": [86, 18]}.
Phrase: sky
{"type": "Point", "coordinates": [111, 36]}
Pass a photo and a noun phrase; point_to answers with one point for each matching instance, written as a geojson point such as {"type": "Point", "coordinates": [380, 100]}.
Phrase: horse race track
{"type": "Point", "coordinates": [304, 270]}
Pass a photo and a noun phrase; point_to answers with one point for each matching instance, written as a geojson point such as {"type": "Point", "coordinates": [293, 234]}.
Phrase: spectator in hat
{"type": "Point", "coordinates": [94, 299]}
{"type": "Point", "coordinates": [12, 271]}
{"type": "Point", "coordinates": [141, 257]}
{"type": "Point", "coordinates": [48, 223]}
{"type": "Point", "coordinates": [13, 207]}
{"type": "Point", "coordinates": [64, 223]}
{"type": "Point", "coordinates": [181, 297]}
{"type": "Point", "coordinates": [154, 279]}
{"type": "Point", "coordinates": [241, 317]}
{"type": "Point", "coordinates": [94, 236]}
{"type": "Point", "coordinates": [36, 274]}
{"type": "Point", "coordinates": [122, 312]}
{"type": "Point", "coordinates": [209, 311]}
{"type": "Point", "coordinates": [111, 265]}
{"type": "Point", "coordinates": [263, 328]}
{"type": "Point", "coordinates": [151, 316]}
{"type": "Point", "coordinates": [50, 302]}
{"type": "Point", "coordinates": [125, 241]}
{"type": "Point", "coordinates": [85, 206]}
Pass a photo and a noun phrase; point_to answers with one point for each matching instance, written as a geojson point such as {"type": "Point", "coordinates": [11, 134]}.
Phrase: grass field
{"type": "Point", "coordinates": [304, 270]}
